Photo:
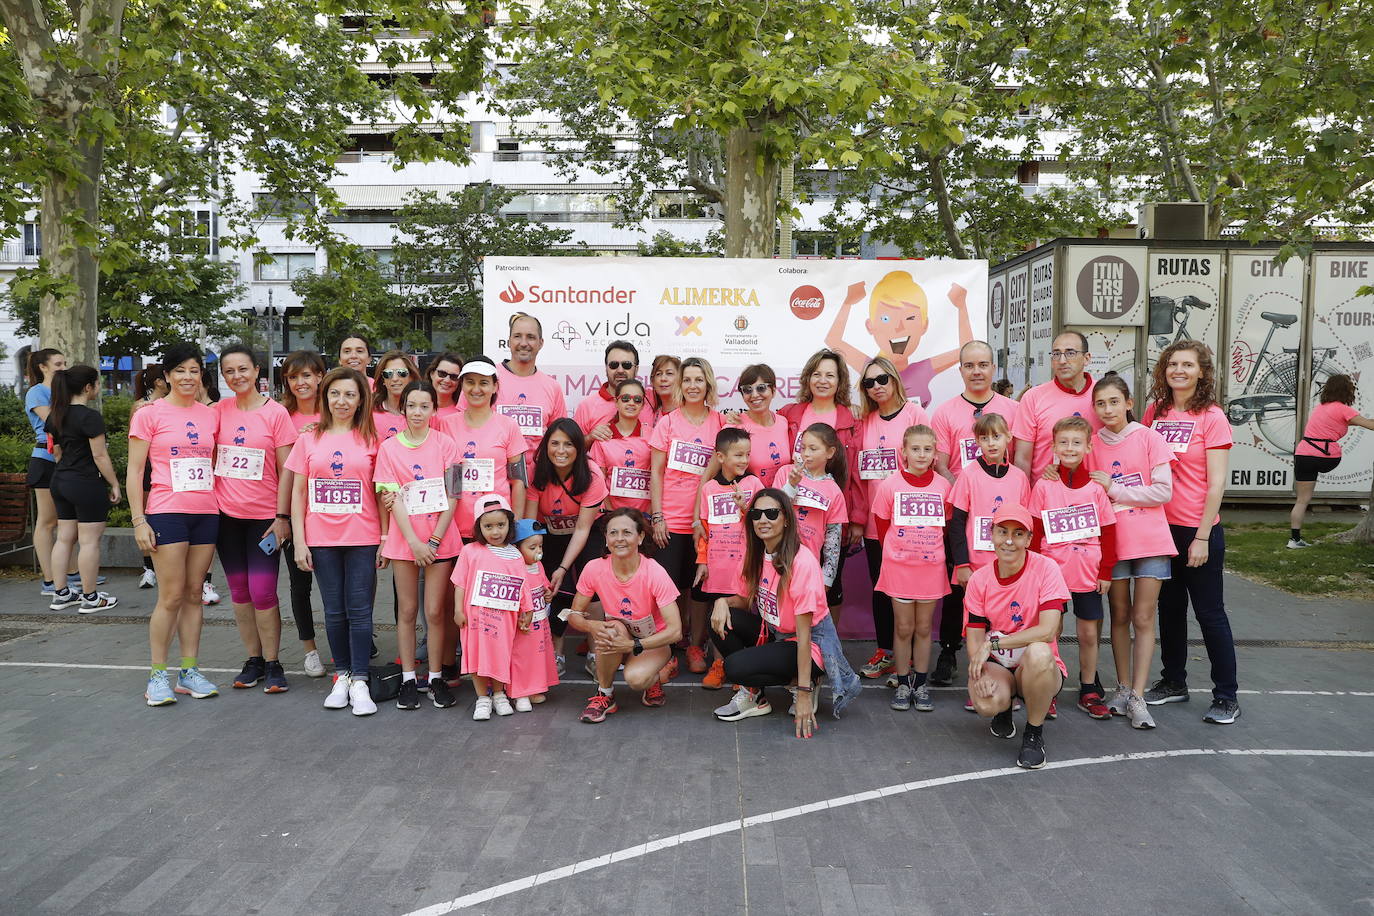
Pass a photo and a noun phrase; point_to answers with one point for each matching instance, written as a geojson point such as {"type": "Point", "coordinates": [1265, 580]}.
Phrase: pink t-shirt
{"type": "Point", "coordinates": [980, 495]}
{"type": "Point", "coordinates": [1141, 531]}
{"type": "Point", "coordinates": [767, 446]}
{"type": "Point", "coordinates": [953, 424]}
{"type": "Point", "coordinates": [246, 457]}
{"type": "Point", "coordinates": [1041, 408]}
{"type": "Point", "coordinates": [880, 452]}
{"type": "Point", "coordinates": [532, 401]}
{"type": "Point", "coordinates": [810, 415]}
{"type": "Point", "coordinates": [486, 452]}
{"type": "Point", "coordinates": [181, 445]}
{"type": "Point", "coordinates": [626, 462]}
{"type": "Point", "coordinates": [559, 507]}
{"type": "Point", "coordinates": [340, 500]}
{"type": "Point", "coordinates": [913, 566]}
{"type": "Point", "coordinates": [1189, 436]}
{"type": "Point", "coordinates": [1325, 426]}
{"type": "Point", "coordinates": [688, 449]}
{"type": "Point", "coordinates": [419, 472]}
{"type": "Point", "coordinates": [301, 420]}
{"type": "Point", "coordinates": [388, 424]}
{"type": "Point", "coordinates": [819, 502]}
{"type": "Point", "coordinates": [491, 582]}
{"type": "Point", "coordinates": [724, 523]}
{"type": "Point", "coordinates": [1073, 520]}
{"type": "Point", "coordinates": [1013, 605]}
{"type": "Point", "coordinates": [636, 602]}
{"type": "Point", "coordinates": [805, 595]}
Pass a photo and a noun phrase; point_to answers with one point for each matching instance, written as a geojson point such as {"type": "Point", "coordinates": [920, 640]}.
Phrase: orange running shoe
{"type": "Point", "coordinates": [696, 659]}
{"type": "Point", "coordinates": [715, 678]}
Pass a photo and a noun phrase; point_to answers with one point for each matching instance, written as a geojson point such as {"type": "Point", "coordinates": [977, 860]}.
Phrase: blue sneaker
{"type": "Point", "coordinates": [159, 692]}
{"type": "Point", "coordinates": [193, 682]}
{"type": "Point", "coordinates": [74, 580]}
{"type": "Point", "coordinates": [48, 590]}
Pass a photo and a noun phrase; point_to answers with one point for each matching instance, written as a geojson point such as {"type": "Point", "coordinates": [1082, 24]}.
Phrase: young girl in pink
{"type": "Point", "coordinates": [533, 669]}
{"type": "Point", "coordinates": [490, 593]}
{"type": "Point", "coordinates": [991, 482]}
{"type": "Point", "coordinates": [625, 457]}
{"type": "Point", "coordinates": [909, 509]}
{"type": "Point", "coordinates": [816, 483]}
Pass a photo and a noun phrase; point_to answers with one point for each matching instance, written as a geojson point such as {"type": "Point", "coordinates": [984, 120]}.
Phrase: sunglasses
{"type": "Point", "coordinates": [395, 373]}
{"type": "Point", "coordinates": [445, 374]}
{"type": "Point", "coordinates": [631, 399]}
{"type": "Point", "coordinates": [613, 364]}
{"type": "Point", "coordinates": [883, 379]}
{"type": "Point", "coordinates": [761, 388]}
{"type": "Point", "coordinates": [770, 514]}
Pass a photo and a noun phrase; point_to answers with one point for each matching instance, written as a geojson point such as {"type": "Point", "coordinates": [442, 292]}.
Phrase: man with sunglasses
{"type": "Point", "coordinates": [1068, 394]}
{"type": "Point", "coordinates": [533, 399]}
{"type": "Point", "coordinates": [596, 413]}
{"type": "Point", "coordinates": [956, 447]}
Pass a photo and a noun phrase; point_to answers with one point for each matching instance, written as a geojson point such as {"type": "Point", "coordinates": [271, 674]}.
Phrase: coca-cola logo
{"type": "Point", "coordinates": [511, 294]}
{"type": "Point", "coordinates": [807, 302]}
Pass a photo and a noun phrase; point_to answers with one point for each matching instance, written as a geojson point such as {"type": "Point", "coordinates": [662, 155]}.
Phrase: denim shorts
{"type": "Point", "coordinates": [184, 527]}
{"type": "Point", "coordinates": [1143, 568]}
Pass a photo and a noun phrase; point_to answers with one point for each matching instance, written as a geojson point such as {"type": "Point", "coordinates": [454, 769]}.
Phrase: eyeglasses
{"type": "Point", "coordinates": [770, 514]}
{"type": "Point", "coordinates": [631, 399]}
{"type": "Point", "coordinates": [613, 364]}
{"type": "Point", "coordinates": [395, 373]}
{"type": "Point", "coordinates": [882, 379]}
{"type": "Point", "coordinates": [445, 374]}
{"type": "Point", "coordinates": [1065, 354]}
{"type": "Point", "coordinates": [760, 388]}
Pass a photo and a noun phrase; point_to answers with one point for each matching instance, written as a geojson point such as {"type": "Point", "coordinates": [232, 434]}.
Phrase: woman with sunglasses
{"type": "Point", "coordinates": [395, 370]}
{"type": "Point", "coordinates": [886, 415]}
{"type": "Point", "coordinates": [768, 445]}
{"type": "Point", "coordinates": [625, 457]}
{"type": "Point", "coordinates": [777, 632]}
{"type": "Point", "coordinates": [443, 376]}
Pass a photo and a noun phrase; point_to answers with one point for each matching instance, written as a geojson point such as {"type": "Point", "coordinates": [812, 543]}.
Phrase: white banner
{"type": "Point", "coordinates": [1343, 342]}
{"type": "Point", "coordinates": [735, 312]}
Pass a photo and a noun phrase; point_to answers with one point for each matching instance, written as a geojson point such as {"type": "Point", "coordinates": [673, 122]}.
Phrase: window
{"type": "Point", "coordinates": [195, 232]}
{"type": "Point", "coordinates": [272, 206]}
{"type": "Point", "coordinates": [814, 244]}
{"type": "Point", "coordinates": [385, 258]}
{"type": "Point", "coordinates": [1028, 173]}
{"type": "Point", "coordinates": [507, 151]}
{"type": "Point", "coordinates": [679, 205]}
{"type": "Point", "coordinates": [33, 240]}
{"type": "Point", "coordinates": [284, 266]}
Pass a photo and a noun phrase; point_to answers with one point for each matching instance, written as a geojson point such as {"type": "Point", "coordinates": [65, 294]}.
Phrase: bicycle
{"type": "Point", "coordinates": [1271, 399]}
{"type": "Point", "coordinates": [1165, 311]}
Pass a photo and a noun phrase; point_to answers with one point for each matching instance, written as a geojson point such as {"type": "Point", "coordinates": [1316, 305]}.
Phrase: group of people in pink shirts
{"type": "Point", "coordinates": [649, 520]}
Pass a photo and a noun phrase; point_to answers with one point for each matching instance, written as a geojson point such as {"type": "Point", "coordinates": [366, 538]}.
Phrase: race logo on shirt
{"type": "Point", "coordinates": [1177, 433]}
{"type": "Point", "coordinates": [241, 436]}
{"type": "Point", "coordinates": [529, 417]}
{"type": "Point", "coordinates": [336, 465]}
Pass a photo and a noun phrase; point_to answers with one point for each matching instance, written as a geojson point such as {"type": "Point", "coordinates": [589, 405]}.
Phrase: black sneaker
{"type": "Point", "coordinates": [945, 667]}
{"type": "Point", "coordinates": [452, 676]}
{"type": "Point", "coordinates": [1166, 692]}
{"type": "Point", "coordinates": [1032, 756]}
{"type": "Point", "coordinates": [254, 670]}
{"type": "Point", "coordinates": [1003, 726]}
{"type": "Point", "coordinates": [409, 697]}
{"type": "Point", "coordinates": [276, 679]}
{"type": "Point", "coordinates": [1223, 712]}
{"type": "Point", "coordinates": [441, 694]}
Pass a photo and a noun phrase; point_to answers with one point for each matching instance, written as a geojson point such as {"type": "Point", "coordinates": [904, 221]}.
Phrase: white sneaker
{"type": "Point", "coordinates": [313, 666]}
{"type": "Point", "coordinates": [1139, 713]}
{"type": "Point", "coordinates": [148, 579]}
{"type": "Point", "coordinates": [338, 697]}
{"type": "Point", "coordinates": [102, 601]}
{"type": "Point", "coordinates": [482, 711]}
{"type": "Point", "coordinates": [743, 705]}
{"type": "Point", "coordinates": [1297, 544]}
{"type": "Point", "coordinates": [208, 595]}
{"type": "Point", "coordinates": [502, 704]}
{"type": "Point", "coordinates": [523, 704]}
{"type": "Point", "coordinates": [1120, 700]}
{"type": "Point", "coordinates": [360, 698]}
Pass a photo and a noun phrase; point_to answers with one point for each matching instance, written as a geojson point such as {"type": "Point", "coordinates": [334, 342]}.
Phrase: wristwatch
{"type": "Point", "coordinates": [994, 640]}
{"type": "Point", "coordinates": [639, 647]}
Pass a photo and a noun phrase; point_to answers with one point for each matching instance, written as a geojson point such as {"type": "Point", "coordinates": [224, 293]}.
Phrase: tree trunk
{"type": "Point", "coordinates": [751, 195]}
{"type": "Point", "coordinates": [1363, 533]}
{"type": "Point", "coordinates": [70, 219]}
{"type": "Point", "coordinates": [944, 209]}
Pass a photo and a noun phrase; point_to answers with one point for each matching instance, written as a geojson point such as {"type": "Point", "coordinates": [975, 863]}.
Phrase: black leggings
{"type": "Point", "coordinates": [300, 601]}
{"type": "Point", "coordinates": [751, 665]}
{"type": "Point", "coordinates": [952, 620]}
{"type": "Point", "coordinates": [882, 604]}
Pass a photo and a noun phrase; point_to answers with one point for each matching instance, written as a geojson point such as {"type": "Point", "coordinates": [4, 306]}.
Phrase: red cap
{"type": "Point", "coordinates": [1014, 512]}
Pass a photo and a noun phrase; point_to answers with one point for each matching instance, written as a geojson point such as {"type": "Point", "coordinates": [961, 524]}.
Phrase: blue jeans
{"type": "Point", "coordinates": [1203, 587]}
{"type": "Point", "coordinates": [348, 578]}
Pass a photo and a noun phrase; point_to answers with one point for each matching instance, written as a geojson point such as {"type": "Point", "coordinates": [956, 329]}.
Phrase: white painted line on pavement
{"type": "Point", "coordinates": [643, 849]}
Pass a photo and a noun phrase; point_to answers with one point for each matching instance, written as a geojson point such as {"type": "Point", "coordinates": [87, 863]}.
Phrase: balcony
{"type": "Point", "coordinates": [15, 253]}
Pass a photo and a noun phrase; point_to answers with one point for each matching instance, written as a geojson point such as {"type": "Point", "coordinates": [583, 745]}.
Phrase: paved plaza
{"type": "Point", "coordinates": [250, 803]}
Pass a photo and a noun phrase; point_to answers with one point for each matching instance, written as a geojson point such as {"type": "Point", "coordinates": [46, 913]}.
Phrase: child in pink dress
{"type": "Point", "coordinates": [490, 591]}
{"type": "Point", "coordinates": [816, 483]}
{"type": "Point", "coordinates": [532, 667]}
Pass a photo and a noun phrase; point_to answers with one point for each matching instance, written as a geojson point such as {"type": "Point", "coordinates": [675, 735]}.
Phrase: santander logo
{"type": "Point", "coordinates": [807, 302]}
{"type": "Point", "coordinates": [511, 294]}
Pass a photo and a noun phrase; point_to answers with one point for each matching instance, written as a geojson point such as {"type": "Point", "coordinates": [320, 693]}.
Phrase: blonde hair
{"type": "Point", "coordinates": [1074, 424]}
{"type": "Point", "coordinates": [866, 403]}
{"type": "Point", "coordinates": [920, 429]}
{"type": "Point", "coordinates": [700, 362]}
{"type": "Point", "coordinates": [898, 287]}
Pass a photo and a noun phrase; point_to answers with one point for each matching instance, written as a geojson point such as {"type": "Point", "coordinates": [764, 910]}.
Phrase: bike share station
{"type": "Point", "coordinates": [1277, 330]}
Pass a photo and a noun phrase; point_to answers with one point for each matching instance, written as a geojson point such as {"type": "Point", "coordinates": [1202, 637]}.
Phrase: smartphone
{"type": "Point", "coordinates": [269, 544]}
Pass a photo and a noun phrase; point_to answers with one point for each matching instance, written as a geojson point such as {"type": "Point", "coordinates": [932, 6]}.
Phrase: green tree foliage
{"type": "Point", "coordinates": [355, 294]}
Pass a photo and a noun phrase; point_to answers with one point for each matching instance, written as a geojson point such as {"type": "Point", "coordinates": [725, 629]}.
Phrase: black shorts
{"type": "Point", "coordinates": [80, 498]}
{"type": "Point", "coordinates": [1307, 467]}
{"type": "Point", "coordinates": [40, 474]}
{"type": "Point", "coordinates": [679, 559]}
{"type": "Point", "coordinates": [556, 555]}
{"type": "Point", "coordinates": [1087, 605]}
{"type": "Point", "coordinates": [196, 529]}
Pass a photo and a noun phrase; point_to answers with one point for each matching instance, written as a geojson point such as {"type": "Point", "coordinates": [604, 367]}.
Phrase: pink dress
{"type": "Point", "coordinates": [913, 566]}
{"type": "Point", "coordinates": [419, 471]}
{"type": "Point", "coordinates": [495, 591]}
{"type": "Point", "coordinates": [532, 666]}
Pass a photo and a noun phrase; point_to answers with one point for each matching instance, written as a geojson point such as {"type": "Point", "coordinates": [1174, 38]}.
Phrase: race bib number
{"type": "Point", "coordinates": [1133, 479]}
{"type": "Point", "coordinates": [689, 457]}
{"type": "Point", "coordinates": [969, 451]}
{"type": "Point", "coordinates": [722, 509]}
{"type": "Point", "coordinates": [1007, 658]}
{"type": "Point", "coordinates": [768, 607]}
{"type": "Point", "coordinates": [479, 475]}
{"type": "Point", "coordinates": [190, 475]}
{"type": "Point", "coordinates": [561, 524]}
{"type": "Point", "coordinates": [426, 496]}
{"type": "Point", "coordinates": [630, 483]}
{"type": "Point", "coordinates": [528, 417]}
{"type": "Point", "coordinates": [918, 510]}
{"type": "Point", "coordinates": [1177, 433]}
{"type": "Point", "coordinates": [336, 497]}
{"type": "Point", "coordinates": [498, 591]}
{"type": "Point", "coordinates": [811, 498]}
{"type": "Point", "coordinates": [240, 462]}
{"type": "Point", "coordinates": [1071, 523]}
{"type": "Point", "coordinates": [982, 532]}
{"type": "Point", "coordinates": [540, 615]}
{"type": "Point", "coordinates": [877, 463]}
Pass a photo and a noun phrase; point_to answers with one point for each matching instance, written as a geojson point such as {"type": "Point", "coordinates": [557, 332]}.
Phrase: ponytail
{"type": "Point", "coordinates": [67, 384]}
